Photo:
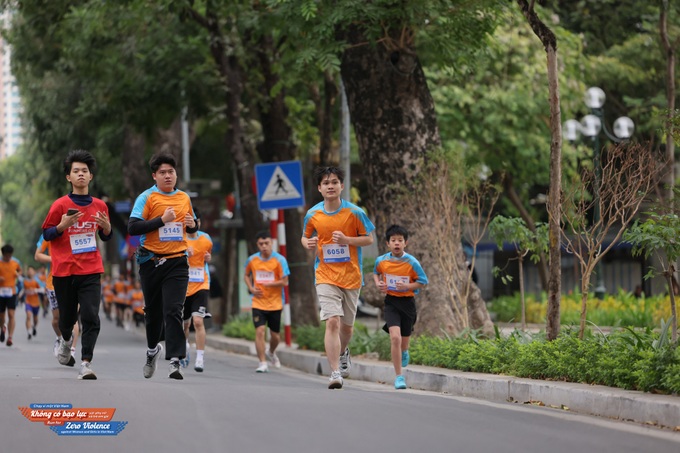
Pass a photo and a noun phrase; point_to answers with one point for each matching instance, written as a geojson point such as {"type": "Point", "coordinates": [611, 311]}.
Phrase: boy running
{"type": "Point", "coordinates": [198, 291]}
{"type": "Point", "coordinates": [31, 287]}
{"type": "Point", "coordinates": [337, 229]}
{"type": "Point", "coordinates": [162, 215]}
{"type": "Point", "coordinates": [10, 269]}
{"type": "Point", "coordinates": [42, 255]}
{"type": "Point", "coordinates": [399, 276]}
{"type": "Point", "coordinates": [71, 226]}
{"type": "Point", "coordinates": [266, 274]}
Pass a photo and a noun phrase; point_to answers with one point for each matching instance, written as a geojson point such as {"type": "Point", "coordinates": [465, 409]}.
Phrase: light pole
{"type": "Point", "coordinates": [590, 126]}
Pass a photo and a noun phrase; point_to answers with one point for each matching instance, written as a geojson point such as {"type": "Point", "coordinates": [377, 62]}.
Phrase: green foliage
{"type": "Point", "coordinates": [240, 326]}
{"type": "Point", "coordinates": [656, 235]}
{"type": "Point", "coordinates": [626, 358]}
{"type": "Point", "coordinates": [621, 309]}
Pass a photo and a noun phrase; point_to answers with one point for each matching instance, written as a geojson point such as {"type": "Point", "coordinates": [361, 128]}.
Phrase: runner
{"type": "Point", "coordinates": [266, 274]}
{"type": "Point", "coordinates": [337, 229]}
{"type": "Point", "coordinates": [162, 215]}
{"type": "Point", "coordinates": [10, 269]}
{"type": "Point", "coordinates": [42, 255]}
{"type": "Point", "coordinates": [196, 303]}
{"type": "Point", "coordinates": [31, 287]}
{"type": "Point", "coordinates": [71, 226]}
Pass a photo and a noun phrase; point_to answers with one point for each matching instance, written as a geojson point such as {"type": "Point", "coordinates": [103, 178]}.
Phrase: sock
{"type": "Point", "coordinates": [152, 351]}
{"type": "Point", "coordinates": [199, 354]}
{"type": "Point", "coordinates": [174, 359]}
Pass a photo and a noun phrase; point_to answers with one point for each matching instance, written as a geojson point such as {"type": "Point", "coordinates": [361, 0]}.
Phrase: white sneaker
{"type": "Point", "coordinates": [64, 355]}
{"type": "Point", "coordinates": [273, 359]}
{"type": "Point", "coordinates": [150, 366]}
{"type": "Point", "coordinates": [345, 363]}
{"type": "Point", "coordinates": [263, 368]}
{"type": "Point", "coordinates": [86, 372]}
{"type": "Point", "coordinates": [335, 381]}
{"type": "Point", "coordinates": [198, 366]}
{"type": "Point", "coordinates": [56, 347]}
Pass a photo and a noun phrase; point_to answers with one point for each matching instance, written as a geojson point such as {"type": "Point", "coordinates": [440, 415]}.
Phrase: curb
{"type": "Point", "coordinates": [618, 404]}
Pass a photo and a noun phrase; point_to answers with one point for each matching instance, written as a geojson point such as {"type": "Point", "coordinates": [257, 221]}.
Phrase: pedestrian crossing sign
{"type": "Point", "coordinates": [279, 185]}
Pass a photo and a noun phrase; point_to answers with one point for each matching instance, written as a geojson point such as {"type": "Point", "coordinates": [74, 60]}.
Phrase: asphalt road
{"type": "Point", "coordinates": [230, 408]}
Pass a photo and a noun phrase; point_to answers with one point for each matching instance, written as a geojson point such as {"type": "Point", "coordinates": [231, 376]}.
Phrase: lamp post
{"type": "Point", "coordinates": [590, 126]}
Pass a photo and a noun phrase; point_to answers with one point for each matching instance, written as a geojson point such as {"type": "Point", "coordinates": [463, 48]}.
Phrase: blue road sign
{"type": "Point", "coordinates": [279, 185]}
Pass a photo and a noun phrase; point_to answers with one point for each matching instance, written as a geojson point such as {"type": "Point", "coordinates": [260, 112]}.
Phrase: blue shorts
{"type": "Point", "coordinates": [8, 303]}
{"type": "Point", "coordinates": [33, 310]}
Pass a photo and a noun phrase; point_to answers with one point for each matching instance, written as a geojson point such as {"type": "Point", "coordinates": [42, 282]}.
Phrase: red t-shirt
{"type": "Point", "coordinates": [75, 251]}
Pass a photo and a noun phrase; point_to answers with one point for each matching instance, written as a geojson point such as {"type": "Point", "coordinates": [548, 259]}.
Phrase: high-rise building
{"type": "Point", "coordinates": [10, 101]}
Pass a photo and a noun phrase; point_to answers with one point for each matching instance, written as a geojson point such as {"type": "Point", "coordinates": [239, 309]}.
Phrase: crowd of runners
{"type": "Point", "coordinates": [171, 291]}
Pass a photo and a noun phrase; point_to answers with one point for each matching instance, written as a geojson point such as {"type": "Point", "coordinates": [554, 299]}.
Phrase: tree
{"type": "Point", "coordinates": [526, 243]}
{"type": "Point", "coordinates": [659, 235]}
{"type": "Point", "coordinates": [628, 174]}
{"type": "Point", "coordinates": [549, 42]}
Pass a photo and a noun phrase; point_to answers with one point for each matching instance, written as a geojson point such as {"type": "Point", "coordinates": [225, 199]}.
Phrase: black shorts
{"type": "Point", "coordinates": [267, 318]}
{"type": "Point", "coordinates": [401, 312]}
{"type": "Point", "coordinates": [196, 305]}
{"type": "Point", "coordinates": [8, 303]}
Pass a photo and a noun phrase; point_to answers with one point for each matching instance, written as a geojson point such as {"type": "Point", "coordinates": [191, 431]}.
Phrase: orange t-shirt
{"type": "Point", "coordinates": [9, 271]}
{"type": "Point", "coordinates": [31, 287]}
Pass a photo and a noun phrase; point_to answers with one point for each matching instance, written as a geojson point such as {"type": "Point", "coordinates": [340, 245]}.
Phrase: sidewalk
{"type": "Point", "coordinates": [660, 410]}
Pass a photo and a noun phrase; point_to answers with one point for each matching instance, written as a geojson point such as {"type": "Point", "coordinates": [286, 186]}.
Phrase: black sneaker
{"type": "Point", "coordinates": [35, 332]}
{"type": "Point", "coordinates": [175, 372]}
{"type": "Point", "coordinates": [2, 334]}
{"type": "Point", "coordinates": [151, 359]}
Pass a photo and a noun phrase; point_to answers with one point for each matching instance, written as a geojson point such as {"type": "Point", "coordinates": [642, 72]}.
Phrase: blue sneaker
{"type": "Point", "coordinates": [400, 383]}
{"type": "Point", "coordinates": [405, 358]}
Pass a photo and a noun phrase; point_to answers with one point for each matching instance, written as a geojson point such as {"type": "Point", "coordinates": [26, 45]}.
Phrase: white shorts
{"type": "Point", "coordinates": [336, 301]}
{"type": "Point", "coordinates": [52, 297]}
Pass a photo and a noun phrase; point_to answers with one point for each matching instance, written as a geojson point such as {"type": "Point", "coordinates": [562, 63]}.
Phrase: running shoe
{"type": "Point", "coordinates": [345, 364]}
{"type": "Point", "coordinates": [400, 383]}
{"type": "Point", "coordinates": [64, 356]}
{"type": "Point", "coordinates": [151, 358]}
{"type": "Point", "coordinates": [174, 370]}
{"type": "Point", "coordinates": [273, 359]}
{"type": "Point", "coordinates": [335, 381]}
{"type": "Point", "coordinates": [9, 341]}
{"type": "Point", "coordinates": [263, 368]}
{"type": "Point", "coordinates": [29, 335]}
{"type": "Point", "coordinates": [35, 332]}
{"type": "Point", "coordinates": [405, 358]}
{"type": "Point", "coordinates": [86, 372]}
{"type": "Point", "coordinates": [186, 360]}
{"type": "Point", "coordinates": [198, 366]}
{"type": "Point", "coordinates": [2, 334]}
{"type": "Point", "coordinates": [56, 347]}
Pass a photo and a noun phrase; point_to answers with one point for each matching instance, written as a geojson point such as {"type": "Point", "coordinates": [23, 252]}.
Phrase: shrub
{"type": "Point", "coordinates": [240, 326]}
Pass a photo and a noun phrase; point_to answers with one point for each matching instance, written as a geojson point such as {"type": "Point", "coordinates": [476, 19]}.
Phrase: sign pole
{"type": "Point", "coordinates": [281, 232]}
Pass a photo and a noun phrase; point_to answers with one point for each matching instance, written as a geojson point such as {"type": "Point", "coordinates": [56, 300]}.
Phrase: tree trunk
{"type": "Point", "coordinates": [549, 41]}
{"type": "Point", "coordinates": [394, 120]}
{"type": "Point", "coordinates": [669, 49]}
{"type": "Point", "coordinates": [278, 146]}
{"type": "Point", "coordinates": [136, 171]}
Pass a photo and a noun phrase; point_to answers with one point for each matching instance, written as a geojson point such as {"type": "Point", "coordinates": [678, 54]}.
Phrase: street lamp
{"type": "Point", "coordinates": [590, 126]}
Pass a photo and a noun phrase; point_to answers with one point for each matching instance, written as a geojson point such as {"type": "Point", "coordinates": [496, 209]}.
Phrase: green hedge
{"type": "Point", "coordinates": [626, 358]}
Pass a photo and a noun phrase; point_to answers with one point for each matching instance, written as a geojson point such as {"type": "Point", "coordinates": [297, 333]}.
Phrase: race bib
{"type": "Point", "coordinates": [196, 274]}
{"type": "Point", "coordinates": [171, 231]}
{"type": "Point", "coordinates": [6, 292]}
{"type": "Point", "coordinates": [392, 281]}
{"type": "Point", "coordinates": [264, 277]}
{"type": "Point", "coordinates": [335, 253]}
{"type": "Point", "coordinates": [82, 243]}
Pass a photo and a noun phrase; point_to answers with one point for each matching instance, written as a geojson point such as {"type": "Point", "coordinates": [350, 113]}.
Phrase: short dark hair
{"type": "Point", "coordinates": [7, 249]}
{"type": "Point", "coordinates": [80, 155]}
{"type": "Point", "coordinates": [161, 158]}
{"type": "Point", "coordinates": [264, 234]}
{"type": "Point", "coordinates": [322, 172]}
{"type": "Point", "coordinates": [396, 230]}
